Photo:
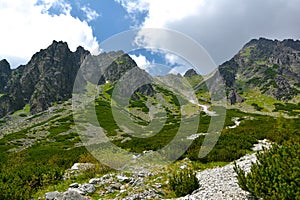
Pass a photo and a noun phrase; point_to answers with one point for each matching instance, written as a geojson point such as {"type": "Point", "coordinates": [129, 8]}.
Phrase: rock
{"type": "Point", "coordinates": [95, 181]}
{"type": "Point", "coordinates": [51, 195]}
{"type": "Point", "coordinates": [71, 195]}
{"type": "Point", "coordinates": [82, 166]}
{"type": "Point", "coordinates": [125, 179]}
{"type": "Point", "coordinates": [78, 190]}
{"type": "Point", "coordinates": [122, 191]}
{"type": "Point", "coordinates": [116, 186]}
{"type": "Point", "coordinates": [142, 174]}
{"type": "Point", "coordinates": [87, 188]}
{"type": "Point", "coordinates": [122, 187]}
{"type": "Point", "coordinates": [190, 73]}
{"type": "Point", "coordinates": [157, 185]}
{"type": "Point", "coordinates": [106, 176]}
{"type": "Point", "coordinates": [5, 75]}
{"type": "Point", "coordinates": [234, 97]}
{"type": "Point", "coordinates": [74, 185]}
{"type": "Point", "coordinates": [183, 166]}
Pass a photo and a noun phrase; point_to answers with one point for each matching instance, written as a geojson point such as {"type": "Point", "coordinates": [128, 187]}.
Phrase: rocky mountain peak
{"type": "Point", "coordinates": [4, 66]}
{"type": "Point", "coordinates": [50, 74]}
{"type": "Point", "coordinates": [272, 66]}
{"type": "Point", "coordinates": [190, 73]}
{"type": "Point", "coordinates": [5, 74]}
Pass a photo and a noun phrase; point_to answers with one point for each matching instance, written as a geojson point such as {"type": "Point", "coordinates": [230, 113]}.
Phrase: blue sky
{"type": "Point", "coordinates": [220, 27]}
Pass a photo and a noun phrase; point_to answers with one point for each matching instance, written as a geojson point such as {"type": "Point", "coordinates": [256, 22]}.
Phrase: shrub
{"type": "Point", "coordinates": [257, 107]}
{"type": "Point", "coordinates": [276, 174]}
{"type": "Point", "coordinates": [183, 182]}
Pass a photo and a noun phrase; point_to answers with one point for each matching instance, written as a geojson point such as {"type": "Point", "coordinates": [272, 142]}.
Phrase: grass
{"type": "Point", "coordinates": [263, 101]}
{"type": "Point", "coordinates": [260, 62]}
{"type": "Point", "coordinates": [288, 108]}
{"type": "Point", "coordinates": [50, 156]}
{"type": "Point", "coordinates": [247, 52]}
{"type": "Point", "coordinates": [23, 112]}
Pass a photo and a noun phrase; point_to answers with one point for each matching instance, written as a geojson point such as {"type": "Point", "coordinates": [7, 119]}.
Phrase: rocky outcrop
{"type": "Point", "coordinates": [233, 97]}
{"type": "Point", "coordinates": [134, 187]}
{"type": "Point", "coordinates": [5, 75]}
{"type": "Point", "coordinates": [47, 78]}
{"type": "Point", "coordinates": [271, 66]}
{"type": "Point", "coordinates": [50, 74]}
{"type": "Point", "coordinates": [190, 73]}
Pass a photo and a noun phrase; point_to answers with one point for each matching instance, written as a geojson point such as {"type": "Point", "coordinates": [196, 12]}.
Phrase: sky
{"type": "Point", "coordinates": [221, 27]}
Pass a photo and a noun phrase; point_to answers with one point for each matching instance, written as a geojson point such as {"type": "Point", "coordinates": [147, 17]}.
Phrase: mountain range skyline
{"type": "Point", "coordinates": [271, 66]}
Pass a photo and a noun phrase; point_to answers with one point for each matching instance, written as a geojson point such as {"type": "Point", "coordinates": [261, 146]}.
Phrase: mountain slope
{"type": "Point", "coordinates": [50, 74]}
{"type": "Point", "coordinates": [272, 67]}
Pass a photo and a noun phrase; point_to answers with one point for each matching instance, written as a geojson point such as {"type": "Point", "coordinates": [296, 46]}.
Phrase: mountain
{"type": "Point", "coordinates": [50, 74]}
{"type": "Point", "coordinates": [51, 150]}
{"type": "Point", "coordinates": [46, 78]}
{"type": "Point", "coordinates": [270, 66]}
{"type": "Point", "coordinates": [5, 74]}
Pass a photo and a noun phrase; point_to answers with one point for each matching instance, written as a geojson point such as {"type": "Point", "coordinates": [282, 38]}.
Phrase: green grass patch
{"type": "Point", "coordinates": [288, 108]}
{"type": "Point", "coordinates": [247, 52]}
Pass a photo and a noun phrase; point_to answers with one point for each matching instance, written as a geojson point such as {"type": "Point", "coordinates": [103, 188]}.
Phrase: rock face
{"type": "Point", "coordinates": [271, 66]}
{"type": "Point", "coordinates": [5, 74]}
{"type": "Point", "coordinates": [233, 97]}
{"type": "Point", "coordinates": [190, 73]}
{"type": "Point", "coordinates": [48, 77]}
{"type": "Point", "coordinates": [50, 74]}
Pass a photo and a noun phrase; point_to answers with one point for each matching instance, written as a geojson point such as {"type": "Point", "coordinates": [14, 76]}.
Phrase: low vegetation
{"type": "Point", "coordinates": [276, 174]}
{"type": "Point", "coordinates": [38, 167]}
{"type": "Point", "coordinates": [183, 182]}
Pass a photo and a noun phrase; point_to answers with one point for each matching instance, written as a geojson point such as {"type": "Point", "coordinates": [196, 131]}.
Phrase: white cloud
{"type": "Point", "coordinates": [162, 12]}
{"type": "Point", "coordinates": [179, 70]}
{"type": "Point", "coordinates": [222, 27]}
{"type": "Point", "coordinates": [27, 26]}
{"type": "Point", "coordinates": [173, 59]}
{"type": "Point", "coordinates": [132, 6]}
{"type": "Point", "coordinates": [90, 13]}
{"type": "Point", "coordinates": [141, 61]}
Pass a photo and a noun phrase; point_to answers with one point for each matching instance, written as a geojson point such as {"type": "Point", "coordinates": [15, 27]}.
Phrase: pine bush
{"type": "Point", "coordinates": [183, 182]}
{"type": "Point", "coordinates": [275, 175]}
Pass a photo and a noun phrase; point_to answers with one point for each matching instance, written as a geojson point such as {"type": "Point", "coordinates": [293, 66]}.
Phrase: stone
{"type": "Point", "coordinates": [78, 190]}
{"type": "Point", "coordinates": [74, 185]}
{"type": "Point", "coordinates": [115, 186]}
{"type": "Point", "coordinates": [157, 185]}
{"type": "Point", "coordinates": [123, 187]}
{"type": "Point", "coordinates": [82, 166]}
{"type": "Point", "coordinates": [71, 195]}
{"type": "Point", "coordinates": [88, 188]}
{"type": "Point", "coordinates": [125, 179]}
{"type": "Point", "coordinates": [95, 181]}
{"type": "Point", "coordinates": [122, 191]}
{"type": "Point", "coordinates": [51, 195]}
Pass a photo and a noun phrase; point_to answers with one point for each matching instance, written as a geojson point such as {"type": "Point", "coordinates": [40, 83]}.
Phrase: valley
{"type": "Point", "coordinates": [46, 127]}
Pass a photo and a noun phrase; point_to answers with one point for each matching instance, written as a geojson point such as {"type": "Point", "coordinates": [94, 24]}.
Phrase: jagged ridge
{"type": "Point", "coordinates": [50, 74]}
{"type": "Point", "coordinates": [271, 66]}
